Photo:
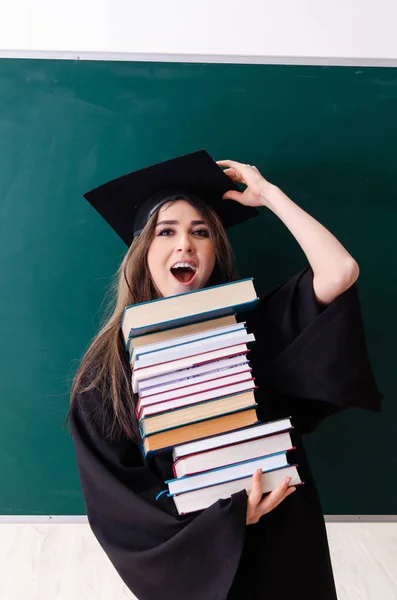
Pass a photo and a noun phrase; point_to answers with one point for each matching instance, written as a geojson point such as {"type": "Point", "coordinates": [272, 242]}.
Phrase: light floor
{"type": "Point", "coordinates": [65, 562]}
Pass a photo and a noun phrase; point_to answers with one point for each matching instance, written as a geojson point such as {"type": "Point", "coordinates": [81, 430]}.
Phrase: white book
{"type": "Point", "coordinates": [183, 375]}
{"type": "Point", "coordinates": [138, 374]}
{"type": "Point", "coordinates": [185, 339]}
{"type": "Point", "coordinates": [224, 439]}
{"type": "Point", "coordinates": [204, 497]}
{"type": "Point", "coordinates": [229, 473]}
{"type": "Point", "coordinates": [160, 407]}
{"type": "Point", "coordinates": [194, 387]}
{"type": "Point", "coordinates": [227, 376]}
{"type": "Point", "coordinates": [227, 455]}
{"type": "Point", "coordinates": [205, 345]}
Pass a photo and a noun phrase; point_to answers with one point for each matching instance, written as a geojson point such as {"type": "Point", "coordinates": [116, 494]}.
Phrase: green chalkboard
{"type": "Point", "coordinates": [326, 135]}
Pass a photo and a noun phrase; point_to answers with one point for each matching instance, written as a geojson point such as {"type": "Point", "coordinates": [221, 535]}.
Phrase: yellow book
{"type": "Point", "coordinates": [195, 431]}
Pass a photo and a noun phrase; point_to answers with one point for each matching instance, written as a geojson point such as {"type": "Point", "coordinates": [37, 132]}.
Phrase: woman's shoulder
{"type": "Point", "coordinates": [88, 399]}
{"type": "Point", "coordinates": [86, 406]}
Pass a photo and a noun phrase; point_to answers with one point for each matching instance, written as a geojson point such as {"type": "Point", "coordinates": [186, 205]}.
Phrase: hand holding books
{"type": "Point", "coordinates": [258, 506]}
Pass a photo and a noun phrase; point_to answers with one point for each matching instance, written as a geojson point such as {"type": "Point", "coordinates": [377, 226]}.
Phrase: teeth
{"type": "Point", "coordinates": [184, 265]}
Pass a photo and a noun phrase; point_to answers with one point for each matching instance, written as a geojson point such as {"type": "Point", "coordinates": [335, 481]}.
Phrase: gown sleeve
{"type": "Point", "coordinates": [157, 553]}
{"type": "Point", "coordinates": [315, 355]}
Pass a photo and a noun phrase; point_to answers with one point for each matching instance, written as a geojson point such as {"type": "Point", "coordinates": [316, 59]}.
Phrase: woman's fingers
{"type": "Point", "coordinates": [256, 493]}
{"type": "Point", "coordinates": [233, 195]}
{"type": "Point", "coordinates": [275, 498]}
{"type": "Point", "coordinates": [256, 507]}
{"type": "Point", "coordinates": [235, 169]}
{"type": "Point", "coordinates": [258, 189]}
{"type": "Point", "coordinates": [227, 163]}
{"type": "Point", "coordinates": [237, 166]}
{"type": "Point", "coordinates": [232, 174]}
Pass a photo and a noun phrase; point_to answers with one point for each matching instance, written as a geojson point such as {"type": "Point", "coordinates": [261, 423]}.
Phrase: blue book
{"type": "Point", "coordinates": [228, 473]}
{"type": "Point", "coordinates": [190, 307]}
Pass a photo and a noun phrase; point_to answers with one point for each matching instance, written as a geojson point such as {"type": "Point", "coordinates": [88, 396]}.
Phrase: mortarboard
{"type": "Point", "coordinates": [126, 203]}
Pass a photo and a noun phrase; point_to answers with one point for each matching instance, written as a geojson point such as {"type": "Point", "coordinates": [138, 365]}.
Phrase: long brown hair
{"type": "Point", "coordinates": [105, 364]}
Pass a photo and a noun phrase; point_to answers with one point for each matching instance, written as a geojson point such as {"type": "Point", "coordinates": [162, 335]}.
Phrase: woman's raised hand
{"type": "Point", "coordinates": [258, 188]}
{"type": "Point", "coordinates": [256, 506]}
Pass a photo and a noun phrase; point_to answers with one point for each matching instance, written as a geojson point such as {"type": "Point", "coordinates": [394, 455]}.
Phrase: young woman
{"type": "Point", "coordinates": [309, 360]}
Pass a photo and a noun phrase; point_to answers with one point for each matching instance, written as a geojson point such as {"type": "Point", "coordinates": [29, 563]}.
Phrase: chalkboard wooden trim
{"type": "Point", "coordinates": [82, 519]}
{"type": "Point", "coordinates": [201, 58]}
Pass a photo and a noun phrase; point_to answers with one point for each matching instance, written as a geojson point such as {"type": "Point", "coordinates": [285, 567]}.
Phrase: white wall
{"type": "Point", "coordinates": [351, 31]}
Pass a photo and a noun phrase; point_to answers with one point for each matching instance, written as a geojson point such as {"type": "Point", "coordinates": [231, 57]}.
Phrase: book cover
{"type": "Point", "coordinates": [184, 308]}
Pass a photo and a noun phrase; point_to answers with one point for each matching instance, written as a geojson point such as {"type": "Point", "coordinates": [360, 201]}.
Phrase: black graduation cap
{"type": "Point", "coordinates": [127, 202]}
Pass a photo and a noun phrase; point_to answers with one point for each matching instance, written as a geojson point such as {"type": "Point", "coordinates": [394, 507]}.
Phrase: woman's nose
{"type": "Point", "coordinates": [184, 243]}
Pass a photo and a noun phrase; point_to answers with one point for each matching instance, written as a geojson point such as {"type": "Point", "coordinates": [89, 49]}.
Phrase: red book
{"type": "Point", "coordinates": [178, 398]}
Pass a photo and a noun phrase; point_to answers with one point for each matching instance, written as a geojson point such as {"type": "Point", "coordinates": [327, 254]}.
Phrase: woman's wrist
{"type": "Point", "coordinates": [270, 194]}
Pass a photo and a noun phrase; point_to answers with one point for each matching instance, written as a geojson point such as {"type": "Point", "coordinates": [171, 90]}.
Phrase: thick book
{"type": "Point", "coordinates": [227, 455]}
{"type": "Point", "coordinates": [185, 396]}
{"type": "Point", "coordinates": [201, 331]}
{"type": "Point", "coordinates": [210, 369]}
{"type": "Point", "coordinates": [193, 348]}
{"type": "Point", "coordinates": [179, 435]}
{"type": "Point", "coordinates": [228, 473]}
{"type": "Point", "coordinates": [141, 373]}
{"type": "Point", "coordinates": [182, 309]}
{"type": "Point", "coordinates": [257, 431]}
{"type": "Point", "coordinates": [197, 412]}
{"type": "Point", "coordinates": [204, 497]}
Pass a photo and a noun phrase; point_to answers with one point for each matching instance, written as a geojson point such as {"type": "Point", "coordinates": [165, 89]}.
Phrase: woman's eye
{"type": "Point", "coordinates": [202, 232]}
{"type": "Point", "coordinates": [197, 232]}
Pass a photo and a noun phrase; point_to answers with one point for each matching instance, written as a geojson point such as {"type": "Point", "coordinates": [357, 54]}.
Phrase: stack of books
{"type": "Point", "coordinates": [189, 363]}
{"type": "Point", "coordinates": [213, 468]}
{"type": "Point", "coordinates": [192, 376]}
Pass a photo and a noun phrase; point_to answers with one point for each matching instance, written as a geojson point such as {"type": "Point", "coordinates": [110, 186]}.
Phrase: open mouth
{"type": "Point", "coordinates": [184, 272]}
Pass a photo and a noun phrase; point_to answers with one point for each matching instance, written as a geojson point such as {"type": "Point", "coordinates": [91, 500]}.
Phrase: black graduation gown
{"type": "Point", "coordinates": [310, 362]}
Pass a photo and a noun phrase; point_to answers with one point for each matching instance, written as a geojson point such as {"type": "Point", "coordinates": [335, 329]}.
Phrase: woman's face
{"type": "Point", "coordinates": [181, 256]}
